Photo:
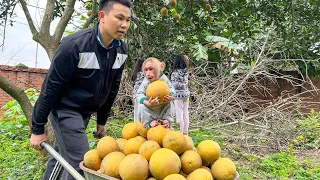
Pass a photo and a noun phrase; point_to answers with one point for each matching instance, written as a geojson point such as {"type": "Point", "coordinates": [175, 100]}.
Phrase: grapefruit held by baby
{"type": "Point", "coordinates": [157, 89]}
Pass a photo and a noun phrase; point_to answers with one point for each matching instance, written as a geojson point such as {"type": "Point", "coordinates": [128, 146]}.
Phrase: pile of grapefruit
{"type": "Point", "coordinates": [158, 154]}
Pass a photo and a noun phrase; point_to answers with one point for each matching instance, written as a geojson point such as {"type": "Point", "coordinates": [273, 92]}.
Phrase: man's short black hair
{"type": "Point", "coordinates": [106, 3]}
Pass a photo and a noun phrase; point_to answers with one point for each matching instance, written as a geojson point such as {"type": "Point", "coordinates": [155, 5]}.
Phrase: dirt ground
{"type": "Point", "coordinates": [312, 156]}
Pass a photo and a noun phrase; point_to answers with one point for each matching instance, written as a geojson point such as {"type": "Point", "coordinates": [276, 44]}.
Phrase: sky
{"type": "Point", "coordinates": [19, 46]}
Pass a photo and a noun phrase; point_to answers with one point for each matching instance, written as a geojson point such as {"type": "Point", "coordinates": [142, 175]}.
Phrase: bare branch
{"type": "Point", "coordinates": [252, 70]}
{"type": "Point", "coordinates": [33, 29]}
{"type": "Point", "coordinates": [47, 18]}
{"type": "Point", "coordinates": [68, 11]}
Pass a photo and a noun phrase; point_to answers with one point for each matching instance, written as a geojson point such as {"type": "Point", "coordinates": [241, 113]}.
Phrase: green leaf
{"type": "Point", "coordinates": [181, 38]}
{"type": "Point", "coordinates": [179, 7]}
{"type": "Point", "coordinates": [200, 52]}
{"type": "Point", "coordinates": [11, 103]}
{"type": "Point", "coordinates": [173, 12]}
{"type": "Point", "coordinates": [214, 55]}
{"type": "Point", "coordinates": [83, 18]}
{"type": "Point", "coordinates": [223, 41]}
{"type": "Point", "coordinates": [245, 12]}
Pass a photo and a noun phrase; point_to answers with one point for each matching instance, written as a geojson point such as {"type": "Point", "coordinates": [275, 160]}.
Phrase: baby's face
{"type": "Point", "coordinates": [150, 71]}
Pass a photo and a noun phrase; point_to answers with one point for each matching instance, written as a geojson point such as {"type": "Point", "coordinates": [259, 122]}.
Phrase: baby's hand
{"type": "Point", "coordinates": [151, 102]}
{"type": "Point", "coordinates": [165, 123]}
{"type": "Point", "coordinates": [154, 123]}
{"type": "Point", "coordinates": [168, 98]}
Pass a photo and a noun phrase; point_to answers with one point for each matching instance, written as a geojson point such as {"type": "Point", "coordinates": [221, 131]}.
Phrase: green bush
{"type": "Point", "coordinates": [18, 159]}
{"type": "Point", "coordinates": [279, 165]}
{"type": "Point", "coordinates": [308, 130]}
{"type": "Point", "coordinates": [302, 174]}
{"type": "Point", "coordinates": [13, 110]}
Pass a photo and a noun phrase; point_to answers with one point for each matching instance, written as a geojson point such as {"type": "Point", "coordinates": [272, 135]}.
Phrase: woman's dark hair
{"type": "Point", "coordinates": [106, 3]}
{"type": "Point", "coordinates": [179, 62]}
{"type": "Point", "coordinates": [137, 68]}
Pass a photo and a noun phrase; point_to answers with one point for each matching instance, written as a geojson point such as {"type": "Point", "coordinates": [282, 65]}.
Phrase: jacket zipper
{"type": "Point", "coordinates": [104, 75]}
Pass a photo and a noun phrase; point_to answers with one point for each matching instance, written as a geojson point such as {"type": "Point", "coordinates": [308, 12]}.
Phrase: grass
{"type": "Point", "coordinates": [19, 161]}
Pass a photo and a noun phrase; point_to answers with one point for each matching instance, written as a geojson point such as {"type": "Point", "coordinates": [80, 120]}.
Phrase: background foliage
{"type": "Point", "coordinates": [225, 36]}
{"type": "Point", "coordinates": [294, 27]}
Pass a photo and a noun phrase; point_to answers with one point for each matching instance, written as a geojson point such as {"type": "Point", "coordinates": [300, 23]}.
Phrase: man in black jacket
{"type": "Point", "coordinates": [84, 78]}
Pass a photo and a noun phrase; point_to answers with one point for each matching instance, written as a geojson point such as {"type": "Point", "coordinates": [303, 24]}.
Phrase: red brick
{"type": "Point", "coordinates": [25, 78]}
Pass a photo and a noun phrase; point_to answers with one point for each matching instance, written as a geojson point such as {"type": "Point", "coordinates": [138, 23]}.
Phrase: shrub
{"type": "Point", "coordinates": [13, 111]}
{"type": "Point", "coordinates": [279, 165]}
{"type": "Point", "coordinates": [308, 130]}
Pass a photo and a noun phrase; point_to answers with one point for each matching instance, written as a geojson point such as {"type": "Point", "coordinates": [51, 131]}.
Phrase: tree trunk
{"type": "Point", "coordinates": [18, 94]}
{"type": "Point", "coordinates": [49, 43]}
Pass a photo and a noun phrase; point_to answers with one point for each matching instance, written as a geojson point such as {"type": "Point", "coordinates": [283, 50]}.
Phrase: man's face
{"type": "Point", "coordinates": [117, 22]}
{"type": "Point", "coordinates": [150, 71]}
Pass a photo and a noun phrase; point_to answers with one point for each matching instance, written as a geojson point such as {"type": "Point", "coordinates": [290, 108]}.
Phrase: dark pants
{"type": "Point", "coordinates": [71, 142]}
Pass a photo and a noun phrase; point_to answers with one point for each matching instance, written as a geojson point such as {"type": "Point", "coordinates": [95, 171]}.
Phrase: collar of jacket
{"type": "Point", "coordinates": [115, 43]}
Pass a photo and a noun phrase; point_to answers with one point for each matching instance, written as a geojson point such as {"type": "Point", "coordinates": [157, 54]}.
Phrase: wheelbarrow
{"type": "Point", "coordinates": [89, 174]}
{"type": "Point", "coordinates": [94, 175]}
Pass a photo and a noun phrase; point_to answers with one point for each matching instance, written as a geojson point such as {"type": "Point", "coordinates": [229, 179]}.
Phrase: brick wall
{"type": "Point", "coordinates": [284, 88]}
{"type": "Point", "coordinates": [23, 77]}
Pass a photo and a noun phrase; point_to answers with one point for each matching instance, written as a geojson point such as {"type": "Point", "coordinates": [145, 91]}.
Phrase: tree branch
{"type": "Point", "coordinates": [33, 29]}
{"type": "Point", "coordinates": [68, 11]}
{"type": "Point", "coordinates": [18, 94]}
{"type": "Point", "coordinates": [248, 75]}
{"type": "Point", "coordinates": [93, 16]}
{"type": "Point", "coordinates": [47, 18]}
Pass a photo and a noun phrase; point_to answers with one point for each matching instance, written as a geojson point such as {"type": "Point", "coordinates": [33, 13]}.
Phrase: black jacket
{"type": "Point", "coordinates": [84, 76]}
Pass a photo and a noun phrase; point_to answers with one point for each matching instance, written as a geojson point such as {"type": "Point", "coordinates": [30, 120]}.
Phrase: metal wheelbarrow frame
{"type": "Point", "coordinates": [89, 174]}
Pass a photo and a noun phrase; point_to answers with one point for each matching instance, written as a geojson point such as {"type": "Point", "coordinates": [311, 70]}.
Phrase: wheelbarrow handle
{"type": "Point", "coordinates": [62, 161]}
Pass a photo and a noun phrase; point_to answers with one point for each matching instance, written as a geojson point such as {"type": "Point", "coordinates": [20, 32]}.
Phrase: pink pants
{"type": "Point", "coordinates": [136, 110]}
{"type": "Point", "coordinates": [182, 114]}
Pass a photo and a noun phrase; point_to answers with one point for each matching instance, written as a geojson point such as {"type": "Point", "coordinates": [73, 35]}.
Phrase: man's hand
{"type": "Point", "coordinates": [167, 98]}
{"type": "Point", "coordinates": [36, 140]}
{"type": "Point", "coordinates": [100, 129]}
{"type": "Point", "coordinates": [151, 102]}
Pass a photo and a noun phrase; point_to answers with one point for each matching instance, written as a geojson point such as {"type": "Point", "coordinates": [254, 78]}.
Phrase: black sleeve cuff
{"type": "Point", "coordinates": [101, 121]}
{"type": "Point", "coordinates": [37, 130]}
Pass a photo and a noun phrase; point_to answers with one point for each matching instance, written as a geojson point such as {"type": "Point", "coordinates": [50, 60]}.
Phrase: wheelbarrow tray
{"type": "Point", "coordinates": [94, 175]}
{"type": "Point", "coordinates": [89, 174]}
